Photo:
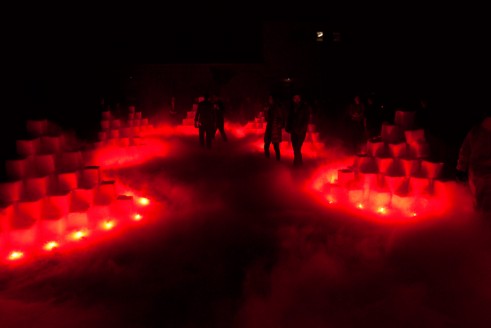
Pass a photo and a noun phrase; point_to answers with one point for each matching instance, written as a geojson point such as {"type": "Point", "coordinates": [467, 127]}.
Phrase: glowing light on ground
{"type": "Point", "coordinates": [51, 245]}
{"type": "Point", "coordinates": [79, 234]}
{"type": "Point", "coordinates": [114, 156]}
{"type": "Point", "coordinates": [143, 201]}
{"type": "Point", "coordinates": [382, 210]}
{"type": "Point", "coordinates": [15, 255]}
{"type": "Point", "coordinates": [108, 224]}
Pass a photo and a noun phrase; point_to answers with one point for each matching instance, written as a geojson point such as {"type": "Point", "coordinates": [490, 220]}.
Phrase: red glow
{"type": "Point", "coordinates": [15, 255]}
{"type": "Point", "coordinates": [328, 187]}
{"type": "Point", "coordinates": [382, 210]}
{"type": "Point", "coordinates": [108, 224]}
{"type": "Point", "coordinates": [143, 201]}
{"type": "Point", "coordinates": [330, 199]}
{"type": "Point", "coordinates": [51, 245]}
{"type": "Point", "coordinates": [79, 234]}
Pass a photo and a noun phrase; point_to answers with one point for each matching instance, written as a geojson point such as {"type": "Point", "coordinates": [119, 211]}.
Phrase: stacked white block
{"type": "Point", "coordinates": [396, 162]}
{"type": "Point", "coordinates": [120, 132]}
{"type": "Point", "coordinates": [50, 188]}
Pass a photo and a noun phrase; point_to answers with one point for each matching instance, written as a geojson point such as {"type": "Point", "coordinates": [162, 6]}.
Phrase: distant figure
{"type": "Point", "coordinates": [275, 122]}
{"type": "Point", "coordinates": [423, 114]}
{"type": "Point", "coordinates": [356, 123]}
{"type": "Point", "coordinates": [298, 119]}
{"type": "Point", "coordinates": [474, 163]}
{"type": "Point", "coordinates": [204, 120]}
{"type": "Point", "coordinates": [173, 105]}
{"type": "Point", "coordinates": [373, 117]}
{"type": "Point", "coordinates": [219, 109]}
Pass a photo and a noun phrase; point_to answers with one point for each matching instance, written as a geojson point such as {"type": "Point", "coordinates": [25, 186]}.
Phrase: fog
{"type": "Point", "coordinates": [234, 239]}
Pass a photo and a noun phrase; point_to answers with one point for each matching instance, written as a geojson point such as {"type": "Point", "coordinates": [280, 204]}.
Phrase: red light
{"type": "Point", "coordinates": [360, 206]}
{"type": "Point", "coordinates": [108, 224]}
{"type": "Point", "coordinates": [79, 234]}
{"type": "Point", "coordinates": [381, 210]}
{"type": "Point", "coordinates": [137, 217]}
{"type": "Point", "coordinates": [143, 201]}
{"type": "Point", "coordinates": [15, 255]}
{"type": "Point", "coordinates": [49, 246]}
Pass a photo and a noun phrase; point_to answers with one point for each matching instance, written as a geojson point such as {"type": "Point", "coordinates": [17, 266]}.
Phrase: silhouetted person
{"type": "Point", "coordinates": [204, 120]}
{"type": "Point", "coordinates": [423, 114]}
{"type": "Point", "coordinates": [219, 108]}
{"type": "Point", "coordinates": [275, 121]}
{"type": "Point", "coordinates": [297, 124]}
{"type": "Point", "coordinates": [356, 123]}
{"type": "Point", "coordinates": [474, 163]}
{"type": "Point", "coordinates": [373, 117]}
{"type": "Point", "coordinates": [173, 105]}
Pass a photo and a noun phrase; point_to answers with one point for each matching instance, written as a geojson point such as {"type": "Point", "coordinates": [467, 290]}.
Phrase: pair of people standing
{"type": "Point", "coordinates": [294, 119]}
{"type": "Point", "coordinates": [209, 118]}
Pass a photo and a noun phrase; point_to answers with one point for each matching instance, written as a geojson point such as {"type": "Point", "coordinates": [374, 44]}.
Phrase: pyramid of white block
{"type": "Point", "coordinates": [397, 162]}
{"type": "Point", "coordinates": [122, 131]}
{"type": "Point", "coordinates": [52, 186]}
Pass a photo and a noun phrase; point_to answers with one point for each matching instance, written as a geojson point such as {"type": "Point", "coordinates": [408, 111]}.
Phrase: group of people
{"type": "Point", "coordinates": [293, 116]}
{"type": "Point", "coordinates": [209, 119]}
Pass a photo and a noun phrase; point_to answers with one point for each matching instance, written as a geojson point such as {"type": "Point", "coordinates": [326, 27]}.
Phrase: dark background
{"type": "Point", "coordinates": [59, 66]}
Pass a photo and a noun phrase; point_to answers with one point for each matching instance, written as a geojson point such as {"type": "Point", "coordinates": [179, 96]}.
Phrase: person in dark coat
{"type": "Point", "coordinates": [219, 108]}
{"type": "Point", "coordinates": [204, 120]}
{"type": "Point", "coordinates": [356, 124]}
{"type": "Point", "coordinates": [474, 162]}
{"type": "Point", "coordinates": [373, 117]}
{"type": "Point", "coordinates": [275, 122]}
{"type": "Point", "coordinates": [297, 124]}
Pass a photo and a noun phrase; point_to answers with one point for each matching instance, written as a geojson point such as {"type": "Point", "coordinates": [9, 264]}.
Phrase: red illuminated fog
{"type": "Point", "coordinates": [146, 229]}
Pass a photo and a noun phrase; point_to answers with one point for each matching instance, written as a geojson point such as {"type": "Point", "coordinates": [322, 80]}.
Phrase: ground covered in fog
{"type": "Point", "coordinates": [238, 240]}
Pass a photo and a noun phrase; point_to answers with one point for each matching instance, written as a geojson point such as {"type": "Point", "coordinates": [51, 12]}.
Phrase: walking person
{"type": "Point", "coordinates": [275, 122]}
{"type": "Point", "coordinates": [474, 163]}
{"type": "Point", "coordinates": [297, 124]}
{"type": "Point", "coordinates": [219, 109]}
{"type": "Point", "coordinates": [204, 120]}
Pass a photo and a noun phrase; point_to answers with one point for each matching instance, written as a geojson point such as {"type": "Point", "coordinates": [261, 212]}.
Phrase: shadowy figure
{"type": "Point", "coordinates": [172, 109]}
{"type": "Point", "coordinates": [275, 122]}
{"type": "Point", "coordinates": [204, 120]}
{"type": "Point", "coordinates": [219, 109]}
{"type": "Point", "coordinates": [373, 117]}
{"type": "Point", "coordinates": [356, 124]}
{"type": "Point", "coordinates": [474, 163]}
{"type": "Point", "coordinates": [298, 119]}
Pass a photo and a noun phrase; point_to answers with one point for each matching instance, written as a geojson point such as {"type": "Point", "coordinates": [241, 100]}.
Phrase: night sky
{"type": "Point", "coordinates": [57, 61]}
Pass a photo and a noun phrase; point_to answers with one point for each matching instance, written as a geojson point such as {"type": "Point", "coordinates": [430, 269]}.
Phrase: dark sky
{"type": "Point", "coordinates": [76, 51]}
